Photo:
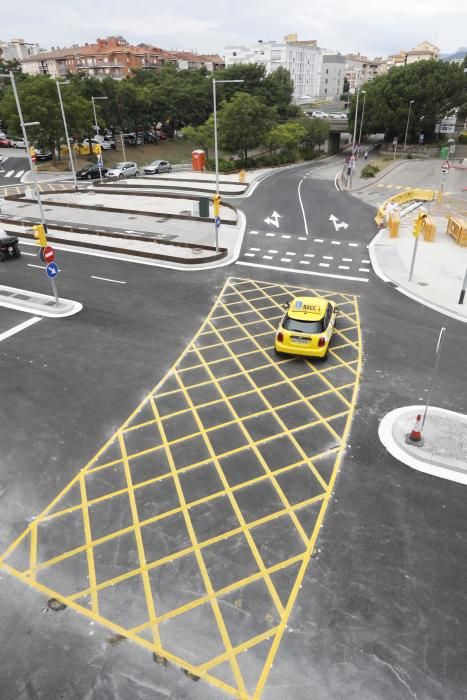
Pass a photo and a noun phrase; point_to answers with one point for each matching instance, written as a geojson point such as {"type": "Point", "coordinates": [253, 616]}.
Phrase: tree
{"type": "Point", "coordinates": [317, 131]}
{"type": "Point", "coordinates": [277, 90]}
{"type": "Point", "coordinates": [244, 122]}
{"type": "Point", "coordinates": [435, 87]}
{"type": "Point", "coordinates": [202, 135]}
{"type": "Point", "coordinates": [288, 136]}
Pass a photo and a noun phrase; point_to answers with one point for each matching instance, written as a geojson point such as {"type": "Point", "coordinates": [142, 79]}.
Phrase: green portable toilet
{"type": "Point", "coordinates": [444, 152]}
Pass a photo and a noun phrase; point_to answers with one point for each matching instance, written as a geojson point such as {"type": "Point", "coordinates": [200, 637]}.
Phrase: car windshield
{"type": "Point", "coordinates": [296, 326]}
{"type": "Point", "coordinates": [120, 166]}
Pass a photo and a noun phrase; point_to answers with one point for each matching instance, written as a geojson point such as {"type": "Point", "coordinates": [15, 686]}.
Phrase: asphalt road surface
{"type": "Point", "coordinates": [380, 612]}
{"type": "Point", "coordinates": [13, 164]}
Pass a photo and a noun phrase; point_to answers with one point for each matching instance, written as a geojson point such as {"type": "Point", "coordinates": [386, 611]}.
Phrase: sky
{"type": "Point", "coordinates": [371, 28]}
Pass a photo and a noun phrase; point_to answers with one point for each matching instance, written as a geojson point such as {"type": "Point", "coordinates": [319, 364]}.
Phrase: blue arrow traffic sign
{"type": "Point", "coordinates": [217, 221]}
{"type": "Point", "coordinates": [52, 270]}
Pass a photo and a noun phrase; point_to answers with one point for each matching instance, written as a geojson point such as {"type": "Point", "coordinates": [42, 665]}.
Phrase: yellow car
{"type": "Point", "coordinates": [307, 327]}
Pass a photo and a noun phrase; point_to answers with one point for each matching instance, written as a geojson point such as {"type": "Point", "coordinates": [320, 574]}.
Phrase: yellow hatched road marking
{"type": "Point", "coordinates": [226, 326]}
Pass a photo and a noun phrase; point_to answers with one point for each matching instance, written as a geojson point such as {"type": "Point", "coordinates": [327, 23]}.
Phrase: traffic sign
{"type": "Point", "coordinates": [352, 158]}
{"type": "Point", "coordinates": [445, 165]}
{"type": "Point", "coordinates": [217, 221]}
{"type": "Point", "coordinates": [52, 270]}
{"type": "Point", "coordinates": [47, 254]}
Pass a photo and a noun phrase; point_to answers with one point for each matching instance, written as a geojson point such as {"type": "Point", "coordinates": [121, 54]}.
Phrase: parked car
{"type": "Point", "coordinates": [149, 137]}
{"type": "Point", "coordinates": [90, 172]}
{"type": "Point", "coordinates": [318, 114]}
{"type": "Point", "coordinates": [9, 246]}
{"type": "Point", "coordinates": [157, 166]}
{"type": "Point", "coordinates": [125, 169]}
{"type": "Point", "coordinates": [42, 156]}
{"type": "Point", "coordinates": [105, 145]}
{"type": "Point", "coordinates": [161, 135]}
{"type": "Point", "coordinates": [337, 115]}
{"type": "Point", "coordinates": [5, 142]}
{"type": "Point", "coordinates": [18, 143]}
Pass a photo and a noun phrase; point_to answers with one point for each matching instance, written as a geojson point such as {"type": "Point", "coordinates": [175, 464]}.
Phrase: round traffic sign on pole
{"type": "Point", "coordinates": [52, 270]}
{"type": "Point", "coordinates": [47, 254]}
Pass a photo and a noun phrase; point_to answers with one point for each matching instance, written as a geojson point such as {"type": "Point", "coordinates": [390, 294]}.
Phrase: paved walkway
{"type": "Point", "coordinates": [444, 449]}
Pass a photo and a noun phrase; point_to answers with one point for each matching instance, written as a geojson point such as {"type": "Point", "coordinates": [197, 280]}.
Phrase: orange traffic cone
{"type": "Point", "coordinates": [415, 437]}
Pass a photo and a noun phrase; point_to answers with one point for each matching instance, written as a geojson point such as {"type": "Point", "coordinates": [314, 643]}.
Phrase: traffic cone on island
{"type": "Point", "coordinates": [415, 436]}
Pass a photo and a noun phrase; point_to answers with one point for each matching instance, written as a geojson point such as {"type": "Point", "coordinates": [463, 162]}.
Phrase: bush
{"type": "Point", "coordinates": [369, 170]}
{"type": "Point", "coordinates": [463, 138]}
{"type": "Point", "coordinates": [409, 156]}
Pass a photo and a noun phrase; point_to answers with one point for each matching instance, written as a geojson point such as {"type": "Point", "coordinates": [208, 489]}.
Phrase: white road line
{"type": "Point", "coordinates": [106, 279]}
{"type": "Point", "coordinates": [285, 236]}
{"type": "Point", "coordinates": [250, 255]}
{"type": "Point", "coordinates": [9, 173]}
{"type": "Point", "coordinates": [20, 173]}
{"type": "Point", "coordinates": [363, 269]}
{"type": "Point", "coordinates": [346, 259]}
{"type": "Point", "coordinates": [324, 264]}
{"type": "Point", "coordinates": [20, 327]}
{"type": "Point", "coordinates": [309, 255]}
{"type": "Point", "coordinates": [271, 235]}
{"type": "Point", "coordinates": [304, 262]}
{"type": "Point", "coordinates": [255, 249]}
{"type": "Point", "coordinates": [318, 240]}
{"type": "Point", "coordinates": [303, 272]}
{"type": "Point", "coordinates": [302, 238]}
{"type": "Point", "coordinates": [253, 232]}
{"type": "Point", "coordinates": [344, 267]}
{"type": "Point", "coordinates": [335, 182]}
{"type": "Point", "coordinates": [267, 257]}
{"type": "Point", "coordinates": [328, 257]}
{"type": "Point", "coordinates": [41, 267]}
{"type": "Point", "coordinates": [303, 209]}
{"type": "Point", "coordinates": [286, 260]}
{"type": "Point", "coordinates": [353, 245]}
{"type": "Point", "coordinates": [366, 262]}
{"type": "Point", "coordinates": [273, 251]}
{"type": "Point", "coordinates": [335, 242]}
{"type": "Point", "coordinates": [33, 255]}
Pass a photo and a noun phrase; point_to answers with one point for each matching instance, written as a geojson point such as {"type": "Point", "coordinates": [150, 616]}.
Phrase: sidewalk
{"type": "Point", "coordinates": [444, 449]}
{"type": "Point", "coordinates": [439, 266]}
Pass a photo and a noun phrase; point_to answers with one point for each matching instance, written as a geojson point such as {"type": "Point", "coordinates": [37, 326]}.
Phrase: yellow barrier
{"type": "Point", "coordinates": [428, 229]}
{"type": "Point", "coordinates": [394, 224]}
{"type": "Point", "coordinates": [242, 176]}
{"type": "Point", "coordinates": [457, 228]}
{"type": "Point", "coordinates": [417, 195]}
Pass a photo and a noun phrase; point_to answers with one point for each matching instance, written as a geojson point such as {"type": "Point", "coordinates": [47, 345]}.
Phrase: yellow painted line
{"type": "Point", "coordinates": [256, 296]}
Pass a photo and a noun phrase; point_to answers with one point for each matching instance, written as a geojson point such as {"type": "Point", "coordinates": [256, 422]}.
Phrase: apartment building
{"type": "Point", "coordinates": [332, 75]}
{"type": "Point", "coordinates": [112, 57]}
{"type": "Point", "coordinates": [360, 69]}
{"type": "Point", "coordinates": [301, 58]}
{"type": "Point", "coordinates": [17, 49]}
{"type": "Point", "coordinates": [424, 51]}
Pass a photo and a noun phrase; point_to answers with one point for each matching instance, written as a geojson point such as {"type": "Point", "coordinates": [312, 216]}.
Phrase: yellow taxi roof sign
{"type": "Point", "coordinates": [307, 307]}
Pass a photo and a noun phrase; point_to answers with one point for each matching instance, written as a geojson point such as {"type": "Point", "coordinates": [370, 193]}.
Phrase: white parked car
{"type": "Point", "coordinates": [318, 114]}
{"type": "Point", "coordinates": [337, 115]}
{"type": "Point", "coordinates": [19, 143]}
{"type": "Point", "coordinates": [105, 145]}
{"type": "Point", "coordinates": [125, 169]}
{"type": "Point", "coordinates": [158, 166]}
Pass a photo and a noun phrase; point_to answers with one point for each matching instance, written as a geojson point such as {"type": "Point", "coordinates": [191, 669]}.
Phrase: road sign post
{"type": "Point", "coordinates": [444, 171]}
{"type": "Point", "coordinates": [217, 225]}
{"type": "Point", "coordinates": [394, 143]}
{"type": "Point", "coordinates": [464, 287]}
{"type": "Point", "coordinates": [417, 229]}
{"type": "Point", "coordinates": [435, 373]}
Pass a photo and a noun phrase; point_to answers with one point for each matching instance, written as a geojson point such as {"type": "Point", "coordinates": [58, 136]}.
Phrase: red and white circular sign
{"type": "Point", "coordinates": [48, 254]}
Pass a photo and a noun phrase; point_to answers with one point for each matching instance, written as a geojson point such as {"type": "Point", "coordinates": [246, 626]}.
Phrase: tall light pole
{"type": "Point", "coordinates": [216, 152]}
{"type": "Point", "coordinates": [31, 165]}
{"type": "Point", "coordinates": [96, 125]}
{"type": "Point", "coordinates": [67, 82]}
{"type": "Point", "coordinates": [356, 114]}
{"type": "Point", "coordinates": [363, 114]}
{"type": "Point", "coordinates": [408, 119]}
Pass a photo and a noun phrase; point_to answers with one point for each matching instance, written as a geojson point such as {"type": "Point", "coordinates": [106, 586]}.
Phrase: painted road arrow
{"type": "Point", "coordinates": [273, 219]}
{"type": "Point", "coordinates": [338, 224]}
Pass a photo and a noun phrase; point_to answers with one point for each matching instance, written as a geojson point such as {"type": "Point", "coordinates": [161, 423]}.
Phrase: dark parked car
{"type": "Point", "coordinates": [91, 172]}
{"type": "Point", "coordinates": [43, 155]}
{"type": "Point", "coordinates": [9, 247]}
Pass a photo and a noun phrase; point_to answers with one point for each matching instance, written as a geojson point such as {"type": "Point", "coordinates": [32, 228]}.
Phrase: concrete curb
{"type": "Point", "coordinates": [414, 457]}
{"type": "Point", "coordinates": [36, 303]}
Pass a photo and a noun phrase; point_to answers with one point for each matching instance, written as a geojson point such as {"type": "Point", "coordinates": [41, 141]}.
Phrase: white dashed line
{"type": "Point", "coordinates": [249, 255]}
{"type": "Point", "coordinates": [346, 259]}
{"type": "Point", "coordinates": [286, 260]}
{"type": "Point", "coordinates": [273, 251]}
{"type": "Point", "coordinates": [285, 236]}
{"type": "Point", "coordinates": [363, 269]}
{"type": "Point", "coordinates": [309, 255]}
{"type": "Point", "coordinates": [304, 262]}
{"type": "Point", "coordinates": [253, 232]}
{"type": "Point", "coordinates": [324, 264]}
{"type": "Point", "coordinates": [318, 240]}
{"type": "Point", "coordinates": [365, 262]}
{"type": "Point", "coordinates": [302, 238]}
{"type": "Point", "coordinates": [267, 257]}
{"type": "Point", "coordinates": [288, 253]}
{"type": "Point", "coordinates": [255, 249]}
{"type": "Point", "coordinates": [328, 257]}
{"type": "Point", "coordinates": [107, 279]}
{"type": "Point", "coordinates": [335, 242]}
{"type": "Point", "coordinates": [353, 245]}
{"type": "Point", "coordinates": [314, 273]}
{"type": "Point", "coordinates": [271, 234]}
{"type": "Point", "coordinates": [344, 267]}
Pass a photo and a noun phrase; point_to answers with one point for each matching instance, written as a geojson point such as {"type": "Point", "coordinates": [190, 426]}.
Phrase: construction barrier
{"type": "Point", "coordinates": [457, 228]}
{"type": "Point", "coordinates": [242, 176]}
{"type": "Point", "coordinates": [394, 224]}
{"type": "Point", "coordinates": [428, 229]}
{"type": "Point", "coordinates": [415, 195]}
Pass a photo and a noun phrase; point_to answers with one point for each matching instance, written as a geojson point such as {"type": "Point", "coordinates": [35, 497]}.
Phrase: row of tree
{"type": "Point", "coordinates": [436, 88]}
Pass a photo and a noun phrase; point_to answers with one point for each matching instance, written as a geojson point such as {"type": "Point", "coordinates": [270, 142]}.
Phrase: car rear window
{"type": "Point", "coordinates": [295, 326]}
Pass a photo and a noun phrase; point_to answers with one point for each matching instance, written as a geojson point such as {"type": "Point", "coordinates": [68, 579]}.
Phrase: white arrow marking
{"type": "Point", "coordinates": [338, 224]}
{"type": "Point", "coordinates": [273, 219]}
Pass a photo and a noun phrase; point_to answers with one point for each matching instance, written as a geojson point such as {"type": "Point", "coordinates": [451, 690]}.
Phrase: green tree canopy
{"type": "Point", "coordinates": [244, 122]}
{"type": "Point", "coordinates": [202, 135]}
{"type": "Point", "coordinates": [435, 87]}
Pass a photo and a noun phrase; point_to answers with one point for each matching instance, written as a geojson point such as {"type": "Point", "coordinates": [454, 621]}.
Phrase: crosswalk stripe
{"type": "Point", "coordinates": [20, 173]}
{"type": "Point", "coordinates": [9, 173]}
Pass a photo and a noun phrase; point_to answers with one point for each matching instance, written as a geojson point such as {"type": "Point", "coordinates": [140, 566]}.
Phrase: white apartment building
{"type": "Point", "coordinates": [332, 76]}
{"type": "Point", "coordinates": [301, 58]}
{"type": "Point", "coordinates": [17, 49]}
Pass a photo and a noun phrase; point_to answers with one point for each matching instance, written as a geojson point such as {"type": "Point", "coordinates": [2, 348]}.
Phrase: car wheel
{"type": "Point", "coordinates": [120, 176]}
{"type": "Point", "coordinates": [16, 251]}
{"type": "Point", "coordinates": [2, 256]}
{"type": "Point", "coordinates": [169, 170]}
{"type": "Point", "coordinates": [137, 173]}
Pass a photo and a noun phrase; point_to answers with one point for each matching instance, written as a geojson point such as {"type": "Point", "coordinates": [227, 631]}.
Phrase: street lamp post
{"type": "Point", "coordinates": [67, 82]}
{"type": "Point", "coordinates": [216, 153]}
{"type": "Point", "coordinates": [31, 165]}
{"type": "Point", "coordinates": [356, 114]}
{"type": "Point", "coordinates": [363, 114]}
{"type": "Point", "coordinates": [96, 126]}
{"type": "Point", "coordinates": [407, 127]}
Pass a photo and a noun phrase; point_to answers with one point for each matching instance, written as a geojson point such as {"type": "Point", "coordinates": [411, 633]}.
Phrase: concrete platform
{"type": "Point", "coordinates": [39, 304]}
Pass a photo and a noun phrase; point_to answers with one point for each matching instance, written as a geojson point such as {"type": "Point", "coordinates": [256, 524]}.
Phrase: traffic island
{"type": "Point", "coordinates": [38, 304]}
{"type": "Point", "coordinates": [442, 451]}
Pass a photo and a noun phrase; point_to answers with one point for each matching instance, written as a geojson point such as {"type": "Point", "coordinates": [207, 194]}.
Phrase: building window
{"type": "Point", "coordinates": [327, 71]}
{"type": "Point", "coordinates": [234, 53]}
